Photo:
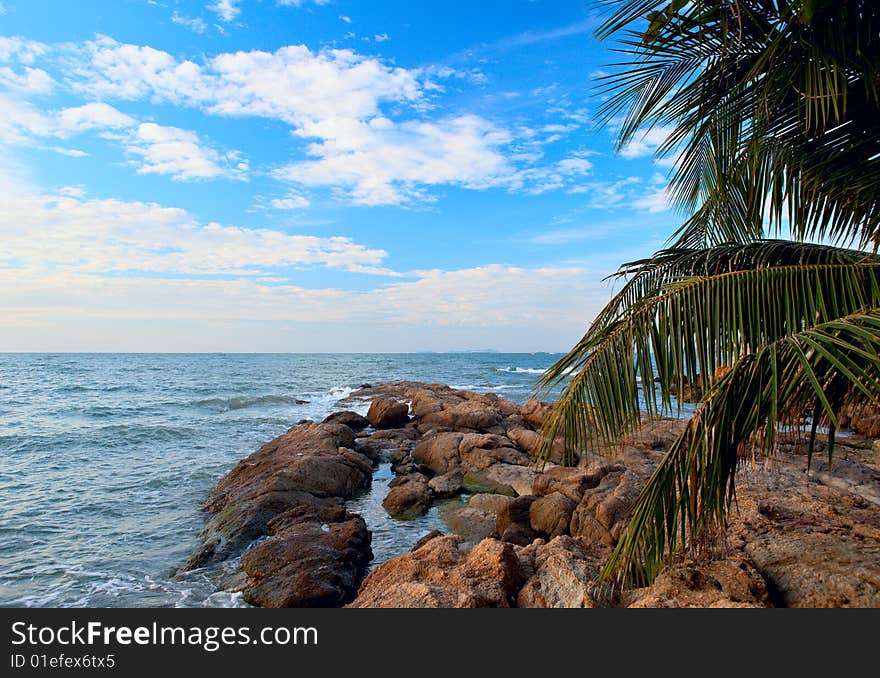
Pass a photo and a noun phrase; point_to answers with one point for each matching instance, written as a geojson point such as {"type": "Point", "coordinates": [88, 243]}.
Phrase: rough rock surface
{"type": "Point", "coordinates": [550, 515]}
{"type": "Point", "coordinates": [353, 420]}
{"type": "Point", "coordinates": [565, 570]}
{"type": "Point", "coordinates": [442, 574]}
{"type": "Point", "coordinates": [408, 499]}
{"type": "Point", "coordinates": [388, 413]}
{"type": "Point", "coordinates": [310, 461]}
{"type": "Point", "coordinates": [732, 582]}
{"type": "Point", "coordinates": [315, 556]}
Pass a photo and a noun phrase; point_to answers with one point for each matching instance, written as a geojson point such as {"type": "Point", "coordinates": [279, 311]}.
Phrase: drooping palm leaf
{"type": "Point", "coordinates": [773, 108]}
{"type": "Point", "coordinates": [814, 370]}
{"type": "Point", "coordinates": [684, 333]}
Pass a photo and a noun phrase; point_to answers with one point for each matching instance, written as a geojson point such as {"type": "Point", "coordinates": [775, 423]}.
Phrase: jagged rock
{"type": "Point", "coordinates": [536, 412]}
{"type": "Point", "coordinates": [473, 524]}
{"type": "Point", "coordinates": [565, 570]}
{"type": "Point", "coordinates": [732, 582]}
{"type": "Point", "coordinates": [315, 556]}
{"type": "Point", "coordinates": [480, 451]}
{"type": "Point", "coordinates": [440, 574]}
{"type": "Point", "coordinates": [551, 515]}
{"type": "Point", "coordinates": [425, 539]}
{"type": "Point", "coordinates": [353, 420]}
{"type": "Point", "coordinates": [388, 413]}
{"type": "Point", "coordinates": [308, 462]}
{"type": "Point", "coordinates": [439, 452]}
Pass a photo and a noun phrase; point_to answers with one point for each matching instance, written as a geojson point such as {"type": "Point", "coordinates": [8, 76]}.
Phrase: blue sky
{"type": "Point", "coordinates": [311, 175]}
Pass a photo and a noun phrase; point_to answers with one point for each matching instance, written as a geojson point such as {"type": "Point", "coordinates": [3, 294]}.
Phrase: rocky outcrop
{"type": "Point", "coordinates": [438, 452]}
{"type": "Point", "coordinates": [565, 571]}
{"type": "Point", "coordinates": [550, 516]}
{"type": "Point", "coordinates": [309, 462]}
{"type": "Point", "coordinates": [388, 413]}
{"type": "Point", "coordinates": [442, 574]}
{"type": "Point", "coordinates": [315, 556]}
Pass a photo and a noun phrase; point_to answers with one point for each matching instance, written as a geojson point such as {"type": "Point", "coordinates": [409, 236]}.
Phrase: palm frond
{"type": "Point", "coordinates": [815, 370]}
{"type": "Point", "coordinates": [683, 333]}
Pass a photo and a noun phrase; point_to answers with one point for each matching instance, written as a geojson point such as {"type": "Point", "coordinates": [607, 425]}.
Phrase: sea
{"type": "Point", "coordinates": [105, 459]}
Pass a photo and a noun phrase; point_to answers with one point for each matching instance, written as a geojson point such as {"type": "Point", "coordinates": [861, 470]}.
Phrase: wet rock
{"type": "Point", "coordinates": [551, 515]}
{"type": "Point", "coordinates": [387, 445]}
{"type": "Point", "coordinates": [565, 570]}
{"type": "Point", "coordinates": [439, 452]}
{"type": "Point", "coordinates": [479, 482]}
{"type": "Point", "coordinates": [490, 503]}
{"type": "Point", "coordinates": [409, 499]}
{"type": "Point", "coordinates": [388, 413]}
{"type": "Point", "coordinates": [520, 478]}
{"type": "Point", "coordinates": [309, 462]}
{"type": "Point", "coordinates": [442, 575]}
{"type": "Point", "coordinates": [473, 524]}
{"type": "Point", "coordinates": [315, 556]}
{"type": "Point", "coordinates": [447, 485]}
{"type": "Point", "coordinates": [353, 420]}
{"type": "Point", "coordinates": [519, 534]}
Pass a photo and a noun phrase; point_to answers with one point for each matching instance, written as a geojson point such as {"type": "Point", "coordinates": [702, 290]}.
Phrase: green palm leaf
{"type": "Point", "coordinates": [815, 370]}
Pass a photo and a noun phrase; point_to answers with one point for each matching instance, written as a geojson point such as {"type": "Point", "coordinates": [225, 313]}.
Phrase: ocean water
{"type": "Point", "coordinates": [106, 458]}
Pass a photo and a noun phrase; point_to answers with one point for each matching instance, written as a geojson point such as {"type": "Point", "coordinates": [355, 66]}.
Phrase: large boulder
{"type": "Point", "coordinates": [308, 462]}
{"type": "Point", "coordinates": [512, 523]}
{"type": "Point", "coordinates": [388, 413]}
{"type": "Point", "coordinates": [480, 451]}
{"type": "Point", "coordinates": [470, 522]}
{"type": "Point", "coordinates": [314, 556]}
{"type": "Point", "coordinates": [551, 515]}
{"type": "Point", "coordinates": [565, 571]}
{"type": "Point", "coordinates": [603, 512]}
{"type": "Point", "coordinates": [439, 452]}
{"type": "Point", "coordinates": [469, 415]}
{"type": "Point", "coordinates": [387, 445]}
{"type": "Point", "coordinates": [536, 412]}
{"type": "Point", "coordinates": [409, 499]}
{"type": "Point", "coordinates": [353, 420]}
{"type": "Point", "coordinates": [440, 574]}
{"type": "Point", "coordinates": [448, 484]}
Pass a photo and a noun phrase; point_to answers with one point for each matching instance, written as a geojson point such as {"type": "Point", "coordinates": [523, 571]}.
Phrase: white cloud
{"type": "Point", "coordinates": [90, 117]}
{"type": "Point", "coordinates": [346, 19]}
{"type": "Point", "coordinates": [30, 81]}
{"type": "Point", "coordinates": [80, 236]}
{"type": "Point", "coordinates": [226, 10]}
{"type": "Point", "coordinates": [657, 200]}
{"type": "Point", "coordinates": [20, 122]}
{"type": "Point", "coordinates": [380, 37]}
{"type": "Point", "coordinates": [196, 25]}
{"type": "Point", "coordinates": [646, 143]}
{"type": "Point", "coordinates": [181, 154]}
{"type": "Point", "coordinates": [291, 201]}
{"type": "Point", "coordinates": [381, 163]}
{"type": "Point", "coordinates": [301, 3]}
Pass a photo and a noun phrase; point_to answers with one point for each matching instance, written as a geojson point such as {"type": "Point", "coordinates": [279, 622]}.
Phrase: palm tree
{"type": "Point", "coordinates": [773, 112]}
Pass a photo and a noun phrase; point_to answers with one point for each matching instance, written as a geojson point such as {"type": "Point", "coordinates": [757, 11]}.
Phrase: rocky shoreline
{"type": "Point", "coordinates": [522, 534]}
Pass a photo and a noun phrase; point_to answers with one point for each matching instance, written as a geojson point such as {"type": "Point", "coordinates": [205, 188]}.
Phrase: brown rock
{"type": "Point", "coordinates": [388, 413]}
{"type": "Point", "coordinates": [440, 574]}
{"type": "Point", "coordinates": [447, 485]}
{"type": "Point", "coordinates": [480, 451]}
{"type": "Point", "coordinates": [308, 462]}
{"type": "Point", "coordinates": [315, 556]}
{"type": "Point", "coordinates": [408, 500]}
{"type": "Point", "coordinates": [565, 570]}
{"type": "Point", "coordinates": [490, 503]}
{"type": "Point", "coordinates": [439, 452]}
{"type": "Point", "coordinates": [604, 511]}
{"type": "Point", "coordinates": [468, 415]}
{"type": "Point", "coordinates": [473, 524]}
{"type": "Point", "coordinates": [536, 412]}
{"type": "Point", "coordinates": [353, 420]}
{"type": "Point", "coordinates": [551, 515]}
{"type": "Point", "coordinates": [515, 512]}
{"type": "Point", "coordinates": [732, 582]}
{"type": "Point", "coordinates": [520, 478]}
